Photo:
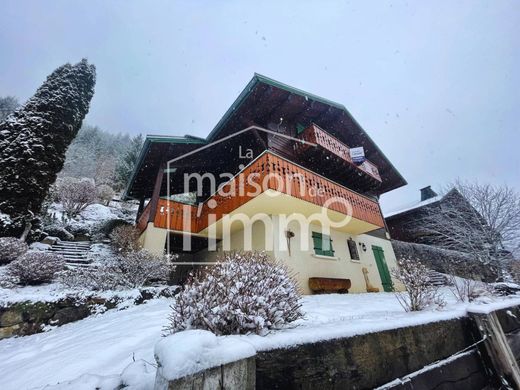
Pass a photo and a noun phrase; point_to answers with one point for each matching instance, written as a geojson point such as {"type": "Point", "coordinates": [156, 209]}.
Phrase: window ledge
{"type": "Point", "coordinates": [325, 257]}
{"type": "Point", "coordinates": [355, 261]}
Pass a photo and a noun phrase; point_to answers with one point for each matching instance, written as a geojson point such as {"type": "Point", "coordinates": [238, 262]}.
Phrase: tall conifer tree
{"type": "Point", "coordinates": [34, 139]}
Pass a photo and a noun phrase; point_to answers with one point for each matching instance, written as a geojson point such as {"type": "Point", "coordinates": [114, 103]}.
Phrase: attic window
{"type": "Point", "coordinates": [352, 248]}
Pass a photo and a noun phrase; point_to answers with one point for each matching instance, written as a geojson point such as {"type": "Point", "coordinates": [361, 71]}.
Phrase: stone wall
{"type": "Point", "coordinates": [461, 353]}
{"type": "Point", "coordinates": [25, 318]}
{"type": "Point", "coordinates": [361, 362]}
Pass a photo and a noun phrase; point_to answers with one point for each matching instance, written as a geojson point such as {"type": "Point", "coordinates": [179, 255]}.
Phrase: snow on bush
{"type": "Point", "coordinates": [419, 292]}
{"type": "Point", "coordinates": [75, 194]}
{"type": "Point", "coordinates": [125, 238]}
{"type": "Point", "coordinates": [131, 270]}
{"type": "Point", "coordinates": [243, 293]}
{"type": "Point", "coordinates": [11, 248]}
{"type": "Point", "coordinates": [36, 267]}
{"type": "Point", "coordinates": [105, 193]}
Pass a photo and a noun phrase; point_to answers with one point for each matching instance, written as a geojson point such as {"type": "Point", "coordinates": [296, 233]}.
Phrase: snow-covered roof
{"type": "Point", "coordinates": [412, 206]}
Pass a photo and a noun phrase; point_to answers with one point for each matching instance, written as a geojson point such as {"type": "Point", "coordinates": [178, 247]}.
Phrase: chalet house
{"type": "Point", "coordinates": [405, 223]}
{"type": "Point", "coordinates": [291, 155]}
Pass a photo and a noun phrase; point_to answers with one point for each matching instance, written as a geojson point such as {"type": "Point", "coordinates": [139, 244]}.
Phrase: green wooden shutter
{"type": "Point", "coordinates": [322, 244]}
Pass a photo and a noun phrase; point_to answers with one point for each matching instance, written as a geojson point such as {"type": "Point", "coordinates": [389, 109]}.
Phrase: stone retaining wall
{"type": "Point", "coordinates": [361, 362]}
{"type": "Point", "coordinates": [25, 318]}
{"type": "Point", "coordinates": [449, 354]}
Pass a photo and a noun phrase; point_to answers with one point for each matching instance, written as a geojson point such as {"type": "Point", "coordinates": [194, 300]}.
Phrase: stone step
{"type": "Point", "coordinates": [58, 250]}
{"type": "Point", "coordinates": [72, 254]}
{"type": "Point", "coordinates": [78, 265]}
{"type": "Point", "coordinates": [77, 261]}
{"type": "Point", "coordinates": [69, 251]}
{"type": "Point", "coordinates": [71, 246]}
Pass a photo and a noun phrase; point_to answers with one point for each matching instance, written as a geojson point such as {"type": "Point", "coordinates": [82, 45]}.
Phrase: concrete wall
{"type": "Point", "coordinates": [153, 239]}
{"type": "Point", "coordinates": [239, 375]}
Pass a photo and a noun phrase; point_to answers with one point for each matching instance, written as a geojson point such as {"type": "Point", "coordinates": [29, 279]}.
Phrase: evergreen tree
{"type": "Point", "coordinates": [127, 163]}
{"type": "Point", "coordinates": [34, 139]}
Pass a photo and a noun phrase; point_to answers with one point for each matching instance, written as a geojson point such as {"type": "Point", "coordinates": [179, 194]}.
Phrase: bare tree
{"type": "Point", "coordinates": [480, 219]}
{"type": "Point", "coordinates": [76, 194]}
{"type": "Point", "coordinates": [105, 194]}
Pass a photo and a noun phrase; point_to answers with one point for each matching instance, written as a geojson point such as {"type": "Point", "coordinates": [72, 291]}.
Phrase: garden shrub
{"type": "Point", "coordinates": [243, 293]}
{"type": "Point", "coordinates": [11, 248]}
{"type": "Point", "coordinates": [36, 267]}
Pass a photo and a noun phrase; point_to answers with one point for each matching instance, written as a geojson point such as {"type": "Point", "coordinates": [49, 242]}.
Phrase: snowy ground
{"type": "Point", "coordinates": [107, 343]}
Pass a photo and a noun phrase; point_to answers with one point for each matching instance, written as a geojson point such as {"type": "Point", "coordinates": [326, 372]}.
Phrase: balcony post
{"type": "Point", "coordinates": [140, 209]}
{"type": "Point", "coordinates": [156, 192]}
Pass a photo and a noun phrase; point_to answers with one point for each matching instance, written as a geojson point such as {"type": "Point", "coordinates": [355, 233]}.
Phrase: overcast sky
{"type": "Point", "coordinates": [436, 84]}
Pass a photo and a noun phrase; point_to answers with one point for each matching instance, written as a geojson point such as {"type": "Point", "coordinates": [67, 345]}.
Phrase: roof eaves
{"type": "Point", "coordinates": [238, 101]}
{"type": "Point", "coordinates": [187, 139]}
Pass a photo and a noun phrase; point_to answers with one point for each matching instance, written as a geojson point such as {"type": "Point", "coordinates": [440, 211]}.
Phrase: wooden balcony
{"type": "Point", "coordinates": [268, 172]}
{"type": "Point", "coordinates": [324, 140]}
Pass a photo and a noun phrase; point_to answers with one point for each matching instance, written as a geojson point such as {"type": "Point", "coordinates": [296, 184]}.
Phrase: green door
{"type": "Point", "coordinates": [386, 280]}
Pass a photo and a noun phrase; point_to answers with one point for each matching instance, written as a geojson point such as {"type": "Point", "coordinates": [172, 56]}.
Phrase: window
{"type": "Point", "coordinates": [352, 248]}
{"type": "Point", "coordinates": [322, 244]}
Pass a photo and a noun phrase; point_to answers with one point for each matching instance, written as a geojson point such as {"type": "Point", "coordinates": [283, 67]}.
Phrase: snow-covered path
{"type": "Point", "coordinates": [105, 344]}
{"type": "Point", "coordinates": [97, 345]}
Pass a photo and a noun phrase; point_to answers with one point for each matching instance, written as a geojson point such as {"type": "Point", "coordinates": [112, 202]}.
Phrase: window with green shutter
{"type": "Point", "coordinates": [322, 244]}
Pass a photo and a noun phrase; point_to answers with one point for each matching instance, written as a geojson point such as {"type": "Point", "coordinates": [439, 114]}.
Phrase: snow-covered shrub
{"type": "Point", "coordinates": [76, 194]}
{"type": "Point", "coordinates": [125, 238]}
{"type": "Point", "coordinates": [243, 293]}
{"type": "Point", "coordinates": [36, 267]}
{"type": "Point", "coordinates": [419, 292]}
{"type": "Point", "coordinates": [11, 248]}
{"type": "Point", "coordinates": [131, 270]}
{"type": "Point", "coordinates": [105, 193]}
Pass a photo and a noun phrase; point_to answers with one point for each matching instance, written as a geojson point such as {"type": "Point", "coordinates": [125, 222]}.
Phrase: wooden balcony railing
{"type": "Point", "coordinates": [316, 135]}
{"type": "Point", "coordinates": [268, 171]}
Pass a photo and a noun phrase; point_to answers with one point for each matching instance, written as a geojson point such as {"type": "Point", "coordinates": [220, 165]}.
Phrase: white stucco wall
{"type": "Point", "coordinates": [302, 259]}
{"type": "Point", "coordinates": [307, 264]}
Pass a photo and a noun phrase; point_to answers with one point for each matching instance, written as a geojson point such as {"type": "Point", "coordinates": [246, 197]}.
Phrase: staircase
{"type": "Point", "coordinates": [436, 278]}
{"type": "Point", "coordinates": [74, 252]}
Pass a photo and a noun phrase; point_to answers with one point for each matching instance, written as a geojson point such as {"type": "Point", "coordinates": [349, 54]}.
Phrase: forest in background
{"type": "Point", "coordinates": [105, 157]}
